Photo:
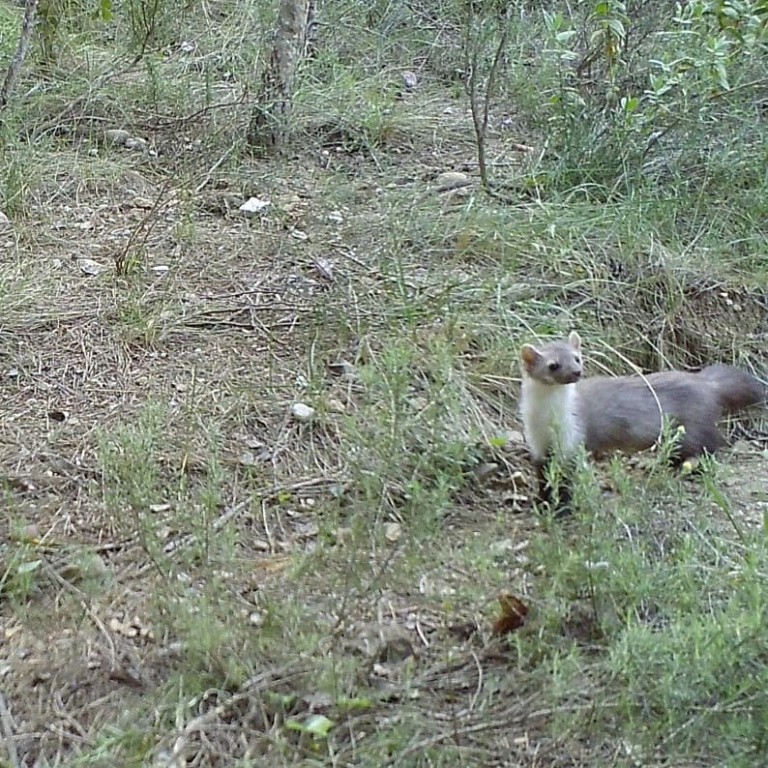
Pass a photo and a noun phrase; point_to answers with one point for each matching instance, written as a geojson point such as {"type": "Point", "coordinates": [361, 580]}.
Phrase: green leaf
{"type": "Point", "coordinates": [716, 493]}
{"type": "Point", "coordinates": [722, 76]}
{"type": "Point", "coordinates": [282, 699]}
{"type": "Point", "coordinates": [617, 28]}
{"type": "Point", "coordinates": [554, 21]}
{"type": "Point", "coordinates": [354, 703]}
{"type": "Point", "coordinates": [629, 103]}
{"type": "Point", "coordinates": [318, 726]}
{"type": "Point", "coordinates": [105, 10]}
{"type": "Point", "coordinates": [29, 567]}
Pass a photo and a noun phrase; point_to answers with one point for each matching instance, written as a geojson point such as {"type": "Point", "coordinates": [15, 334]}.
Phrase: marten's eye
{"type": "Point", "coordinates": [553, 366]}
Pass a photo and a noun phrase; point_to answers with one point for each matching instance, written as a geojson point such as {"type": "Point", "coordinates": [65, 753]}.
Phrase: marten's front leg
{"type": "Point", "coordinates": [558, 501]}
{"type": "Point", "coordinates": [544, 491]}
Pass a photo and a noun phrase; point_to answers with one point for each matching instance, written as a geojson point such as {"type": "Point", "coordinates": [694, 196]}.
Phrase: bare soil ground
{"type": "Point", "coordinates": [149, 458]}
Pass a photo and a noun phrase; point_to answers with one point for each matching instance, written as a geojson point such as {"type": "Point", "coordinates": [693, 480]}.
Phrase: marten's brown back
{"type": "Point", "coordinates": [625, 413]}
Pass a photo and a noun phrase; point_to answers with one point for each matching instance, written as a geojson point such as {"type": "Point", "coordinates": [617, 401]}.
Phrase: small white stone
{"type": "Point", "coordinates": [343, 368]}
{"type": "Point", "coordinates": [452, 180]}
{"type": "Point", "coordinates": [134, 142]}
{"type": "Point", "coordinates": [325, 268]}
{"type": "Point", "coordinates": [254, 205]}
{"type": "Point", "coordinates": [393, 532]}
{"type": "Point", "coordinates": [89, 266]}
{"type": "Point", "coordinates": [302, 412]}
{"type": "Point", "coordinates": [410, 81]}
{"type": "Point", "coordinates": [116, 136]}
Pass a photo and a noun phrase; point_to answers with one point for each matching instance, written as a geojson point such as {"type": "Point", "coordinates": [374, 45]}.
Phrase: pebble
{"type": "Point", "coordinates": [116, 137]}
{"type": "Point", "coordinates": [302, 412]}
{"type": "Point", "coordinates": [254, 205]}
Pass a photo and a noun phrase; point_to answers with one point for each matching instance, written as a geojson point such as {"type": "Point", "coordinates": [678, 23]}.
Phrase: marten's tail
{"type": "Point", "coordinates": [736, 389]}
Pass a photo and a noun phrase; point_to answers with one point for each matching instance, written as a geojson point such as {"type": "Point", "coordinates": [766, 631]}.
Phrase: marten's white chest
{"type": "Point", "coordinates": [550, 418]}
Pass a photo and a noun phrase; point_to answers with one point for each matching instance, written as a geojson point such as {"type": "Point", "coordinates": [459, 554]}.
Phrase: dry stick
{"type": "Point", "coordinates": [479, 688]}
{"type": "Point", "coordinates": [27, 26]}
{"type": "Point", "coordinates": [199, 188]}
{"type": "Point", "coordinates": [169, 121]}
{"type": "Point", "coordinates": [82, 597]}
{"type": "Point", "coordinates": [147, 224]}
{"type": "Point", "coordinates": [149, 20]}
{"type": "Point", "coordinates": [480, 121]}
{"type": "Point", "coordinates": [476, 120]}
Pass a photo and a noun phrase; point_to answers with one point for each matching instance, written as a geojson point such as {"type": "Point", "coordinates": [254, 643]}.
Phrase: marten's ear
{"type": "Point", "coordinates": [574, 340]}
{"type": "Point", "coordinates": [529, 355]}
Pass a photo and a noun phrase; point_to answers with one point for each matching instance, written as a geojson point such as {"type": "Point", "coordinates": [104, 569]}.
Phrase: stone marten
{"type": "Point", "coordinates": [561, 410]}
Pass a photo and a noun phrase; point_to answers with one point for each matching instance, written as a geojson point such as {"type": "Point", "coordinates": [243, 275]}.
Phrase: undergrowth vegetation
{"type": "Point", "coordinates": [264, 483]}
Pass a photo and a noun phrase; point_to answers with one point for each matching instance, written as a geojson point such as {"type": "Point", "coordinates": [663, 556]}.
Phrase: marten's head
{"type": "Point", "coordinates": [558, 362]}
